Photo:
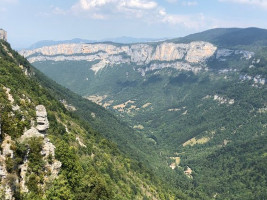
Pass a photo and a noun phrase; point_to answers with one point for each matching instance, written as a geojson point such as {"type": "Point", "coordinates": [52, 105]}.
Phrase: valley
{"type": "Point", "coordinates": [194, 107]}
{"type": "Point", "coordinates": [49, 152]}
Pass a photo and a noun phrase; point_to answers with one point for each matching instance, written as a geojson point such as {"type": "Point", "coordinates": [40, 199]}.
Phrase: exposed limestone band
{"type": "Point", "coordinates": [139, 54]}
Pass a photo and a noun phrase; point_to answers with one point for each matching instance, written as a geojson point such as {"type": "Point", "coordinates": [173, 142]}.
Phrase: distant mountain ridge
{"type": "Point", "coordinates": [225, 37]}
{"type": "Point", "coordinates": [122, 40]}
{"type": "Point", "coordinates": [53, 42]}
{"type": "Point", "coordinates": [222, 37]}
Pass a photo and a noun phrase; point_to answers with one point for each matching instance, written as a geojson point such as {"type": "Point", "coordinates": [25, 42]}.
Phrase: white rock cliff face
{"type": "Point", "coordinates": [139, 54]}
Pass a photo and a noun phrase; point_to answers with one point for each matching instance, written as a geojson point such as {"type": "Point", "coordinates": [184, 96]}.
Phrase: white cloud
{"type": "Point", "coordinates": [59, 11]}
{"type": "Point", "coordinates": [134, 4]}
{"type": "Point", "coordinates": [189, 3]}
{"type": "Point", "coordinates": [104, 9]}
{"type": "Point", "coordinates": [53, 11]}
{"type": "Point", "coordinates": [90, 4]}
{"type": "Point", "coordinates": [197, 21]}
{"type": "Point", "coordinates": [172, 1]}
{"type": "Point", "coordinates": [98, 16]}
{"type": "Point", "coordinates": [260, 3]}
{"type": "Point", "coordinates": [147, 11]}
{"type": "Point", "coordinates": [162, 12]}
{"type": "Point", "coordinates": [137, 4]}
{"type": "Point", "coordinates": [184, 3]}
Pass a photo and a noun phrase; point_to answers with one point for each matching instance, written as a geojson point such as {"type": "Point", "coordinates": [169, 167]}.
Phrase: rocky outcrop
{"type": "Point", "coordinates": [32, 132]}
{"type": "Point", "coordinates": [80, 142]}
{"type": "Point", "coordinates": [223, 100]}
{"type": "Point", "coordinates": [3, 34]}
{"type": "Point", "coordinates": [42, 125]}
{"type": "Point", "coordinates": [69, 107]}
{"type": "Point", "coordinates": [11, 99]}
{"type": "Point", "coordinates": [222, 54]}
{"type": "Point", "coordinates": [52, 166]}
{"type": "Point", "coordinates": [6, 147]}
{"type": "Point", "coordinates": [23, 172]}
{"type": "Point", "coordinates": [175, 65]}
{"type": "Point", "coordinates": [6, 153]}
{"type": "Point", "coordinates": [258, 80]}
{"type": "Point", "coordinates": [41, 118]}
{"type": "Point", "coordinates": [220, 99]}
{"type": "Point", "coordinates": [7, 51]}
{"type": "Point", "coordinates": [188, 172]}
{"type": "Point", "coordinates": [176, 163]}
{"type": "Point", "coordinates": [138, 54]}
{"type": "Point", "coordinates": [199, 52]}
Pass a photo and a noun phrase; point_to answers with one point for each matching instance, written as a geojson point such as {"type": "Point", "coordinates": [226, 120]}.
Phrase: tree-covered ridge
{"type": "Point", "coordinates": [92, 167]}
{"type": "Point", "coordinates": [230, 37]}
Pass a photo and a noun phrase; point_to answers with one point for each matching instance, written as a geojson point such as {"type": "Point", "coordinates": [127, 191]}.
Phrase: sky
{"type": "Point", "coordinates": [29, 21]}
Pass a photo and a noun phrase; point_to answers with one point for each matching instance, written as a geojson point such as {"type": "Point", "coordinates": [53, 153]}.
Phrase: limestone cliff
{"type": "Point", "coordinates": [179, 56]}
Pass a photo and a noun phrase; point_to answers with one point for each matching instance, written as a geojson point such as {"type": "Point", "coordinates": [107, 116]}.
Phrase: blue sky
{"type": "Point", "coordinates": [28, 21]}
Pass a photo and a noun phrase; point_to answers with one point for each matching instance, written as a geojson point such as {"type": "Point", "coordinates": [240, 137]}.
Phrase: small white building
{"type": "Point", "coordinates": [3, 34]}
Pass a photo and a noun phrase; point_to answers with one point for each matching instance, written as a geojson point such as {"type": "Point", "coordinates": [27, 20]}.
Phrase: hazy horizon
{"type": "Point", "coordinates": [28, 21]}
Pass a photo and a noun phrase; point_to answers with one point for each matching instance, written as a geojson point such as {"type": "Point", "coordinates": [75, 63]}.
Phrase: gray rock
{"type": "Point", "coordinates": [23, 172]}
{"type": "Point", "coordinates": [6, 147]}
{"type": "Point", "coordinates": [3, 171]}
{"type": "Point", "coordinates": [48, 148]}
{"type": "Point", "coordinates": [41, 118]}
{"type": "Point", "coordinates": [33, 132]}
{"type": "Point", "coordinates": [3, 34]}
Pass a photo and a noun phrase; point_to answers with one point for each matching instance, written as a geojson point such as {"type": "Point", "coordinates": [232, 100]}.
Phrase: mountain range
{"type": "Point", "coordinates": [123, 40]}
